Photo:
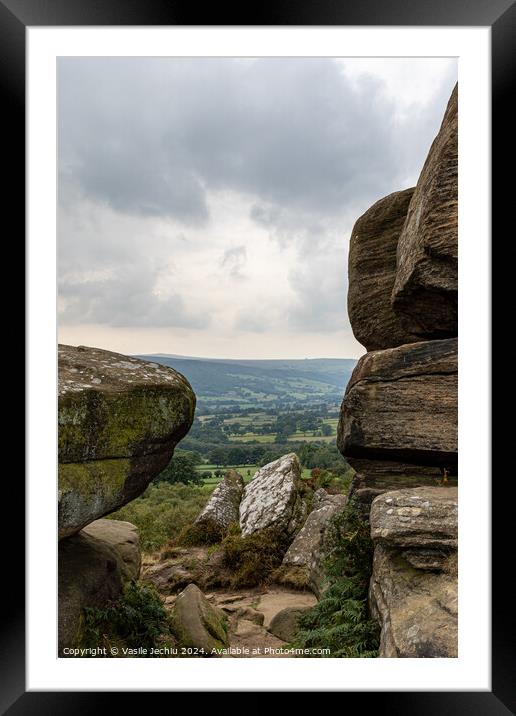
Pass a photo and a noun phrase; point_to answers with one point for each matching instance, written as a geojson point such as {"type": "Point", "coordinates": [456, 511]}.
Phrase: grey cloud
{"type": "Point", "coordinates": [151, 136]}
{"type": "Point", "coordinates": [252, 322]}
{"type": "Point", "coordinates": [308, 149]}
{"type": "Point", "coordinates": [321, 288]}
{"type": "Point", "coordinates": [124, 300]}
{"type": "Point", "coordinates": [234, 260]}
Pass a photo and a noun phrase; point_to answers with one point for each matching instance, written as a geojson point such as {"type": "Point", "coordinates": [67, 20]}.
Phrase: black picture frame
{"type": "Point", "coordinates": [15, 17]}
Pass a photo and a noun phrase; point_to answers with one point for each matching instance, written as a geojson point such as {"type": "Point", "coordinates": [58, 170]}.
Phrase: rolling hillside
{"type": "Point", "coordinates": [255, 383]}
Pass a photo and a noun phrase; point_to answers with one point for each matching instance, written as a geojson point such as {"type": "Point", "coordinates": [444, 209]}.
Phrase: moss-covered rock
{"type": "Point", "coordinates": [197, 624]}
{"type": "Point", "coordinates": [303, 564]}
{"type": "Point", "coordinates": [413, 588]}
{"type": "Point", "coordinates": [221, 511]}
{"type": "Point", "coordinates": [119, 421]}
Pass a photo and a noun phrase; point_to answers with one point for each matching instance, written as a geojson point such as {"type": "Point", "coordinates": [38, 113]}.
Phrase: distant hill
{"type": "Point", "coordinates": [252, 383]}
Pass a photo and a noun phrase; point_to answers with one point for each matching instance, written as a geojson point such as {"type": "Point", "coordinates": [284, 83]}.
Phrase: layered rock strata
{"type": "Point", "coordinates": [413, 588]}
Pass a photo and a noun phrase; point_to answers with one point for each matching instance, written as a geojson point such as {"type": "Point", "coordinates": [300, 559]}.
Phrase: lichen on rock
{"type": "Point", "coordinates": [275, 498]}
{"type": "Point", "coordinates": [221, 510]}
{"type": "Point", "coordinates": [119, 420]}
{"type": "Point", "coordinates": [413, 588]}
{"type": "Point", "coordinates": [302, 565]}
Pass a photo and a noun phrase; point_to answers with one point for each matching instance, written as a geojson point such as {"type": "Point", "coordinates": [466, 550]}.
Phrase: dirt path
{"type": "Point", "coordinates": [249, 611]}
{"type": "Point", "coordinates": [250, 614]}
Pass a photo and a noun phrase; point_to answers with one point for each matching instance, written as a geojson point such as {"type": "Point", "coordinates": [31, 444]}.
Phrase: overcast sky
{"type": "Point", "coordinates": [205, 205]}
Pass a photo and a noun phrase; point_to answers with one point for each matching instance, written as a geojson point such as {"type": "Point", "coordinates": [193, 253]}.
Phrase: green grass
{"type": "Point", "coordinates": [242, 469]}
{"type": "Point", "coordinates": [253, 437]}
{"type": "Point", "coordinates": [332, 421]}
{"type": "Point", "coordinates": [163, 511]}
{"type": "Point", "coordinates": [300, 438]}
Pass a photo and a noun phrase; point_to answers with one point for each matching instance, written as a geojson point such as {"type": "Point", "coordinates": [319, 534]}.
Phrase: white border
{"type": "Point", "coordinates": [471, 671]}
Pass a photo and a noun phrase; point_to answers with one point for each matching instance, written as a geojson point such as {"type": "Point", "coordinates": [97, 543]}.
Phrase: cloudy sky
{"type": "Point", "coordinates": [205, 205]}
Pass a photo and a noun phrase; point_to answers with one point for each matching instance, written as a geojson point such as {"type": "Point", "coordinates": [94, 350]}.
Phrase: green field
{"type": "Point", "coordinates": [252, 437]}
{"type": "Point", "coordinates": [242, 469]}
{"type": "Point", "coordinates": [299, 438]}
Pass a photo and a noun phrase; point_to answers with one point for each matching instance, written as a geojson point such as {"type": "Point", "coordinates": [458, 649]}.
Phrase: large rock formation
{"type": "Point", "coordinates": [421, 518]}
{"type": "Point", "coordinates": [94, 565]}
{"type": "Point", "coordinates": [223, 506]}
{"type": "Point", "coordinates": [197, 624]}
{"type": "Point", "coordinates": [302, 564]}
{"type": "Point", "coordinates": [372, 270]}
{"type": "Point", "coordinates": [398, 422]}
{"type": "Point", "coordinates": [274, 498]}
{"type": "Point", "coordinates": [413, 589]}
{"type": "Point", "coordinates": [401, 405]}
{"type": "Point", "coordinates": [119, 420]}
{"type": "Point", "coordinates": [379, 477]}
{"type": "Point", "coordinates": [425, 290]}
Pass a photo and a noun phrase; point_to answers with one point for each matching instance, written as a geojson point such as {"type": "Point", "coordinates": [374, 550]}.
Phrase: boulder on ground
{"type": "Point", "coordinates": [274, 498]}
{"type": "Point", "coordinates": [124, 538]}
{"type": "Point", "coordinates": [400, 405]}
{"type": "Point", "coordinates": [284, 624]}
{"type": "Point", "coordinates": [119, 421]}
{"type": "Point", "coordinates": [413, 588]}
{"type": "Point", "coordinates": [197, 624]}
{"type": "Point", "coordinates": [424, 295]}
{"type": "Point", "coordinates": [371, 273]}
{"type": "Point", "coordinates": [222, 508]}
{"type": "Point", "coordinates": [302, 565]}
{"type": "Point", "coordinates": [93, 568]}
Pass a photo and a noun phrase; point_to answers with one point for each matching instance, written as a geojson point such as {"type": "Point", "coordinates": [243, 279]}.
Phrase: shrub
{"type": "Point", "coordinates": [204, 533]}
{"type": "Point", "coordinates": [137, 619]}
{"type": "Point", "coordinates": [340, 621]}
{"type": "Point", "coordinates": [252, 559]}
{"type": "Point", "coordinates": [163, 511]}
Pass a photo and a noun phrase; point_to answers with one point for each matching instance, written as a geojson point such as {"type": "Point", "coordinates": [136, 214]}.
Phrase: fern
{"type": "Point", "coordinates": [340, 621]}
{"type": "Point", "coordinates": [137, 619]}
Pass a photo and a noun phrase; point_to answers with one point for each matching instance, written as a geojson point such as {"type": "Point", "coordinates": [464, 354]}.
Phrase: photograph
{"type": "Point", "coordinates": [257, 314]}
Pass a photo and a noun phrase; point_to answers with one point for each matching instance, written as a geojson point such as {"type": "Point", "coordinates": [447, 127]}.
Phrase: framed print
{"type": "Point", "coordinates": [258, 254]}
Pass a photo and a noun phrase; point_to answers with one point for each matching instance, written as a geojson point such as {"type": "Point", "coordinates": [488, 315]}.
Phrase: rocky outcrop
{"type": "Point", "coordinates": [416, 518]}
{"type": "Point", "coordinates": [398, 422]}
{"type": "Point", "coordinates": [197, 624]}
{"type": "Point", "coordinates": [401, 405]}
{"type": "Point", "coordinates": [380, 477]}
{"type": "Point", "coordinates": [94, 565]}
{"type": "Point", "coordinates": [119, 420]}
{"type": "Point", "coordinates": [424, 295]}
{"type": "Point", "coordinates": [222, 508]}
{"type": "Point", "coordinates": [372, 270]}
{"type": "Point", "coordinates": [274, 498]}
{"type": "Point", "coordinates": [413, 588]}
{"type": "Point", "coordinates": [302, 566]}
